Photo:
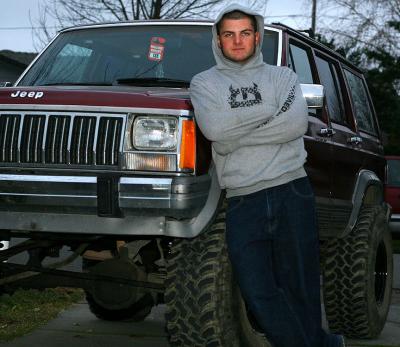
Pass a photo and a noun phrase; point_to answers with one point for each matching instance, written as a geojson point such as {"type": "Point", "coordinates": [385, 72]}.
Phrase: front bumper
{"type": "Point", "coordinates": [174, 206]}
{"type": "Point", "coordinates": [394, 225]}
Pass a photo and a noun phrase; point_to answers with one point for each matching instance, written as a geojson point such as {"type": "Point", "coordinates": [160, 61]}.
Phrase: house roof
{"type": "Point", "coordinates": [20, 58]}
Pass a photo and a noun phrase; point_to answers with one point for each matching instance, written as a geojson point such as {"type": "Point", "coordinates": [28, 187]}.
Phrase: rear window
{"type": "Point", "coordinates": [104, 55]}
{"type": "Point", "coordinates": [393, 173]}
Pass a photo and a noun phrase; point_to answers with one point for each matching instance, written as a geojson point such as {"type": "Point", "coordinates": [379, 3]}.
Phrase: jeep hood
{"type": "Point", "coordinates": [107, 96]}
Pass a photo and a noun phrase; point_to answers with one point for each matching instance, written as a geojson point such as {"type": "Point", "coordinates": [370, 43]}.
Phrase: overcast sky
{"type": "Point", "coordinates": [16, 33]}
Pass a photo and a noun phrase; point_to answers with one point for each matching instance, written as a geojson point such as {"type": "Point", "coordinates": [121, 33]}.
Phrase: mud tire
{"type": "Point", "coordinates": [358, 275]}
{"type": "Point", "coordinates": [204, 306]}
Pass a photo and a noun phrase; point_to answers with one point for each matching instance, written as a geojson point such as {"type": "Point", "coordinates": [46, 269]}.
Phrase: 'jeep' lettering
{"type": "Point", "coordinates": [34, 95]}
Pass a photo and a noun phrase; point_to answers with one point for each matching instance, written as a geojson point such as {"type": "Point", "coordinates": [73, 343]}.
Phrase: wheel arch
{"type": "Point", "coordinates": [368, 190]}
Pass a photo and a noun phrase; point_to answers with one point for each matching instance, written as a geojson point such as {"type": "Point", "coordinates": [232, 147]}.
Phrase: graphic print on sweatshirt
{"type": "Point", "coordinates": [286, 106]}
{"type": "Point", "coordinates": [244, 96]}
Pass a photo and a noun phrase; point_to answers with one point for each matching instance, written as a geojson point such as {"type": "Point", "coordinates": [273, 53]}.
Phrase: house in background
{"type": "Point", "coordinates": [12, 64]}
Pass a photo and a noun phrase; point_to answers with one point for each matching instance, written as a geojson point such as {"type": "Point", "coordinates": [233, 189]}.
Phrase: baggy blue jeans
{"type": "Point", "coordinates": [273, 246]}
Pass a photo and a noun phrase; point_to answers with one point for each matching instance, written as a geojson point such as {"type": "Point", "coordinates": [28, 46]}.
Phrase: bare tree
{"type": "Point", "coordinates": [361, 23]}
{"type": "Point", "coordinates": [64, 13]}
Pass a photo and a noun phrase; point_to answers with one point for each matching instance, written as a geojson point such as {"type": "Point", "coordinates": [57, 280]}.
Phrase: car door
{"type": "Point", "coordinates": [317, 143]}
{"type": "Point", "coordinates": [317, 139]}
{"type": "Point", "coordinates": [367, 141]}
{"type": "Point", "coordinates": [346, 160]}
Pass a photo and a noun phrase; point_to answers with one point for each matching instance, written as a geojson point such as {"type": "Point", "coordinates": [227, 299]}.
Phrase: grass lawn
{"type": "Point", "coordinates": [26, 310]}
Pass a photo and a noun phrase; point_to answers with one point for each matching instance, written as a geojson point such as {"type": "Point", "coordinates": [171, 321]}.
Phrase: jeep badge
{"type": "Point", "coordinates": [34, 95]}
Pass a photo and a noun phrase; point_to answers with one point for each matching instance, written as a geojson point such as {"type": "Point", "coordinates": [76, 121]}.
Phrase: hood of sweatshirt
{"type": "Point", "coordinates": [226, 64]}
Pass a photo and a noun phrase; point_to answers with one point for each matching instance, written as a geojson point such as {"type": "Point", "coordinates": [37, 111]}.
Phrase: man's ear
{"type": "Point", "coordinates": [257, 37]}
{"type": "Point", "coordinates": [218, 41]}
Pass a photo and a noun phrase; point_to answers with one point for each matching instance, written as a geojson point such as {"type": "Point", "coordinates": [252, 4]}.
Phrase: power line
{"type": "Point", "coordinates": [288, 16]}
{"type": "Point", "coordinates": [27, 28]}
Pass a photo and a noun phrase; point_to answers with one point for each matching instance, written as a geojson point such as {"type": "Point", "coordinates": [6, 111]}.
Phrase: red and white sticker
{"type": "Point", "coordinates": [156, 50]}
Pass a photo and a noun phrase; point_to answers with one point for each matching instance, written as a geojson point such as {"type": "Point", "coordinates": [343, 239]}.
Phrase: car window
{"type": "Point", "coordinates": [328, 78]}
{"type": "Point", "coordinates": [393, 173]}
{"type": "Point", "coordinates": [69, 64]}
{"type": "Point", "coordinates": [361, 105]}
{"type": "Point", "coordinates": [104, 55]}
{"type": "Point", "coordinates": [299, 62]}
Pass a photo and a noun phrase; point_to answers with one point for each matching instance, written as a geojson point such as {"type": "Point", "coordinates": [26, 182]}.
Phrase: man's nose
{"type": "Point", "coordinates": [237, 39]}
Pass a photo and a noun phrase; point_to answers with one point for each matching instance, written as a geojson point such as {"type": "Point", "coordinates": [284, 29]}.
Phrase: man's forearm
{"type": "Point", "coordinates": [284, 126]}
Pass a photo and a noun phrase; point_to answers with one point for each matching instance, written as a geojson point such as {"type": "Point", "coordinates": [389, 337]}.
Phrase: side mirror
{"type": "Point", "coordinates": [314, 95]}
{"type": "Point", "coordinates": [5, 84]}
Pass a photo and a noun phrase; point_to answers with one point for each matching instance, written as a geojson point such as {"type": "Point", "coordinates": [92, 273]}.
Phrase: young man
{"type": "Point", "coordinates": [255, 116]}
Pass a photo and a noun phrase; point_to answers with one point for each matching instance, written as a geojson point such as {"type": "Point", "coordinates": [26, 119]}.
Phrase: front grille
{"type": "Point", "coordinates": [57, 140]}
{"type": "Point", "coordinates": [82, 144]}
{"type": "Point", "coordinates": [108, 140]}
{"type": "Point", "coordinates": [9, 131]}
{"type": "Point", "coordinates": [32, 139]}
{"type": "Point", "coordinates": [60, 139]}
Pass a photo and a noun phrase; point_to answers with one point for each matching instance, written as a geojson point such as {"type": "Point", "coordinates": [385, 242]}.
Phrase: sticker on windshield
{"type": "Point", "coordinates": [156, 51]}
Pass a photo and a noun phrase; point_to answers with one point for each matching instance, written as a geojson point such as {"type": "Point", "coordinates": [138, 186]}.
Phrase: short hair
{"type": "Point", "coordinates": [236, 14]}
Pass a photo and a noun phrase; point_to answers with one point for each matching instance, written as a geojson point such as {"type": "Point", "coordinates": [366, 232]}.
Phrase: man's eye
{"type": "Point", "coordinates": [246, 33]}
{"type": "Point", "coordinates": [227, 35]}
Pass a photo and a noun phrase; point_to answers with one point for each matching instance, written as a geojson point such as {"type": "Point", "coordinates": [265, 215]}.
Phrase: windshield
{"type": "Point", "coordinates": [393, 173]}
{"type": "Point", "coordinates": [124, 54]}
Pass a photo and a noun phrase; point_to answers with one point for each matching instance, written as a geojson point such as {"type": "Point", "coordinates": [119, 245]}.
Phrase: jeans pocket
{"type": "Point", "coordinates": [302, 188]}
{"type": "Point", "coordinates": [234, 203]}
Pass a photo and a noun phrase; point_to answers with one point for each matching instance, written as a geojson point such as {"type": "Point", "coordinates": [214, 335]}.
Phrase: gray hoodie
{"type": "Point", "coordinates": [255, 115]}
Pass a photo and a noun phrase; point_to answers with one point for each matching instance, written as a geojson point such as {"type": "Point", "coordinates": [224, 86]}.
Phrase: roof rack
{"type": "Point", "coordinates": [309, 31]}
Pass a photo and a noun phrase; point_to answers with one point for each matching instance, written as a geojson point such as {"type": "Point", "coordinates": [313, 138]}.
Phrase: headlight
{"type": "Point", "coordinates": [155, 133]}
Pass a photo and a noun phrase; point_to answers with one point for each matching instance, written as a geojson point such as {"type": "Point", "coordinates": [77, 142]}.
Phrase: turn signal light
{"type": "Point", "coordinates": [187, 159]}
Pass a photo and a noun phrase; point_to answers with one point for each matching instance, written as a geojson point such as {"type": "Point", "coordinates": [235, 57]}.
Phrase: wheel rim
{"type": "Point", "coordinates": [380, 273]}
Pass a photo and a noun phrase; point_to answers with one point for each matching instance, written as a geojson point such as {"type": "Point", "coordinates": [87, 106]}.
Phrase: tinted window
{"type": "Point", "coordinates": [103, 55]}
{"type": "Point", "coordinates": [333, 97]}
{"type": "Point", "coordinates": [270, 47]}
{"type": "Point", "coordinates": [393, 173]}
{"type": "Point", "coordinates": [69, 64]}
{"type": "Point", "coordinates": [361, 104]}
{"type": "Point", "coordinates": [300, 63]}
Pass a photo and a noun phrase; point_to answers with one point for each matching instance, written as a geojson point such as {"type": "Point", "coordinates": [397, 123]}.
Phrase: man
{"type": "Point", "coordinates": [255, 116]}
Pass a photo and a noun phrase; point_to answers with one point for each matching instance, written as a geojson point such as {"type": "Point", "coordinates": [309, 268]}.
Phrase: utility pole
{"type": "Point", "coordinates": [314, 16]}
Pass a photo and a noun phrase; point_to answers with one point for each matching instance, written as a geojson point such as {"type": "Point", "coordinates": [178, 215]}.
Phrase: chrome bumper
{"type": "Point", "coordinates": [394, 224]}
{"type": "Point", "coordinates": [70, 204]}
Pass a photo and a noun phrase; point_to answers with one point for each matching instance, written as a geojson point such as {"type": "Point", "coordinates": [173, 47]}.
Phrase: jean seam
{"type": "Point", "coordinates": [239, 203]}
{"type": "Point", "coordinates": [304, 196]}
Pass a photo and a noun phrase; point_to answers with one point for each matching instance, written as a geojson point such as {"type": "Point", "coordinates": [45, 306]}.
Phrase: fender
{"type": "Point", "coordinates": [368, 190]}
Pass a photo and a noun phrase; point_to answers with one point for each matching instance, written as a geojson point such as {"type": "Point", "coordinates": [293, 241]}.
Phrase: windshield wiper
{"type": "Point", "coordinates": [154, 81]}
{"type": "Point", "coordinates": [78, 84]}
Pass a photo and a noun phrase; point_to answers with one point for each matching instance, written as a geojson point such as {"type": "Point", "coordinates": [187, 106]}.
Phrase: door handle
{"type": "Point", "coordinates": [327, 132]}
{"type": "Point", "coordinates": [354, 140]}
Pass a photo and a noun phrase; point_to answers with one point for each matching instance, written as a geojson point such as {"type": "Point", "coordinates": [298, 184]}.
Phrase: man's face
{"type": "Point", "coordinates": [237, 39]}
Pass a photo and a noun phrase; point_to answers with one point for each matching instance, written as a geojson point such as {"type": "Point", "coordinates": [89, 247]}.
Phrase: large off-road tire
{"type": "Point", "coordinates": [357, 277]}
{"type": "Point", "coordinates": [118, 304]}
{"type": "Point", "coordinates": [204, 306]}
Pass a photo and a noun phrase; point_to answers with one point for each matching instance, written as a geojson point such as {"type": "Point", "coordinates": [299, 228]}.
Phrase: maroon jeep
{"type": "Point", "coordinates": [99, 151]}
